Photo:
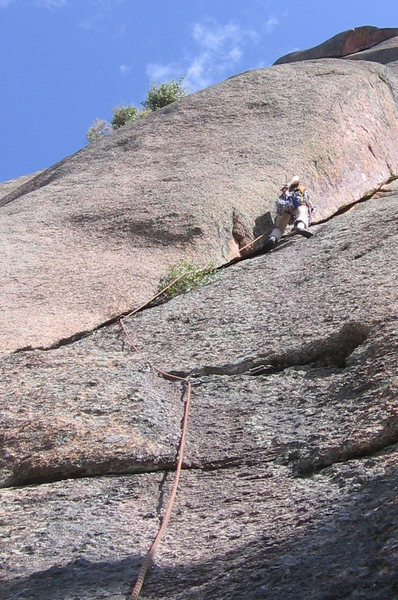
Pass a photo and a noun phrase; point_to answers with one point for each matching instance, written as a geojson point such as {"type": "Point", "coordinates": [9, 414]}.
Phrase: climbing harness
{"type": "Point", "coordinates": [289, 202]}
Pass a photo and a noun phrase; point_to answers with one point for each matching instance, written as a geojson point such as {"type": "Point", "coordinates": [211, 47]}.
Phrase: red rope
{"type": "Point", "coordinates": [251, 243]}
{"type": "Point", "coordinates": [136, 310]}
{"type": "Point", "coordinates": [128, 336]}
{"type": "Point", "coordinates": [151, 552]}
{"type": "Point", "coordinates": [149, 557]}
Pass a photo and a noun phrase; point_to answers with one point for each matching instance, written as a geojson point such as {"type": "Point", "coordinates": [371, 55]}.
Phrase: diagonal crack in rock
{"type": "Point", "coordinates": [245, 256]}
{"type": "Point", "coordinates": [381, 441]}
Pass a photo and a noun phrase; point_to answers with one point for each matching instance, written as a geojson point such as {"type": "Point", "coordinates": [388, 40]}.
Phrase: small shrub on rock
{"type": "Point", "coordinates": [164, 94]}
{"type": "Point", "coordinates": [157, 97]}
{"type": "Point", "coordinates": [191, 276]}
{"type": "Point", "coordinates": [123, 115]}
{"type": "Point", "coordinates": [98, 130]}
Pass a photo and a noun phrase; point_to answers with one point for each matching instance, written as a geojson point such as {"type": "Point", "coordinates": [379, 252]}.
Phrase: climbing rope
{"type": "Point", "coordinates": [149, 557]}
{"type": "Point", "coordinates": [251, 243]}
{"type": "Point", "coordinates": [151, 552]}
{"type": "Point", "coordinates": [148, 302]}
{"type": "Point", "coordinates": [187, 391]}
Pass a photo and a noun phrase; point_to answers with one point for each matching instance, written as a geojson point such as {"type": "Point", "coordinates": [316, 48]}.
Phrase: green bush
{"type": "Point", "coordinates": [165, 93]}
{"type": "Point", "coordinates": [191, 277]}
{"type": "Point", "coordinates": [157, 97]}
{"type": "Point", "coordinates": [98, 130]}
{"type": "Point", "coordinates": [123, 115]}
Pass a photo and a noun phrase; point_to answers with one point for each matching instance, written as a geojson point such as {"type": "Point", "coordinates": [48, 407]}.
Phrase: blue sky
{"type": "Point", "coordinates": [67, 62]}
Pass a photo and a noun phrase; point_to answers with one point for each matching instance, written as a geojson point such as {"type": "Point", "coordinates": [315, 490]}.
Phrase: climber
{"type": "Point", "coordinates": [293, 207]}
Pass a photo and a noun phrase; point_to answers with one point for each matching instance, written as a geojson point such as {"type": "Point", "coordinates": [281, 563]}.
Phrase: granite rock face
{"type": "Point", "coordinates": [361, 43]}
{"type": "Point", "coordinates": [7, 188]}
{"type": "Point", "coordinates": [89, 238]}
{"type": "Point", "coordinates": [290, 479]}
{"type": "Point", "coordinates": [385, 52]}
{"type": "Point", "coordinates": [344, 44]}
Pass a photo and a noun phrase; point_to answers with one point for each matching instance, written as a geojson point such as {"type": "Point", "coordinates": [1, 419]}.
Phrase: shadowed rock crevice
{"type": "Point", "coordinates": [386, 441]}
{"type": "Point", "coordinates": [65, 341]}
{"type": "Point", "coordinates": [331, 352]}
{"type": "Point", "coordinates": [25, 473]}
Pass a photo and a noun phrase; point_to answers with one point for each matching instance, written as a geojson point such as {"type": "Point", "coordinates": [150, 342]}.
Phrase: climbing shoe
{"type": "Point", "coordinates": [269, 244]}
{"type": "Point", "coordinates": [305, 232]}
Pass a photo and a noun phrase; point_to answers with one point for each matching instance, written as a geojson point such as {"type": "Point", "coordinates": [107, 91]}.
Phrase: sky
{"type": "Point", "coordinates": [65, 63]}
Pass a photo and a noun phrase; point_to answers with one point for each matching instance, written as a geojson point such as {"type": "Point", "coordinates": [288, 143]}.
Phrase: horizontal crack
{"type": "Point", "coordinates": [24, 476]}
{"type": "Point", "coordinates": [331, 352]}
{"type": "Point", "coordinates": [84, 333]}
{"type": "Point", "coordinates": [251, 457]}
{"type": "Point", "coordinates": [94, 470]}
{"type": "Point", "coordinates": [386, 442]}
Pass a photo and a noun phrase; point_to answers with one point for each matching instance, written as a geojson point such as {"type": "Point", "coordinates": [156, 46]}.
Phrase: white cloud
{"type": "Point", "coordinates": [50, 4]}
{"type": "Point", "coordinates": [215, 37]}
{"type": "Point", "coordinates": [219, 48]}
{"type": "Point", "coordinates": [235, 54]}
{"type": "Point", "coordinates": [124, 69]}
{"type": "Point", "coordinates": [271, 24]}
{"type": "Point", "coordinates": [198, 75]}
{"type": "Point", "coordinates": [159, 73]}
{"type": "Point", "coordinates": [99, 18]}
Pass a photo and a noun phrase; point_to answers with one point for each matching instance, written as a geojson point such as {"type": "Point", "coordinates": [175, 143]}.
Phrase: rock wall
{"type": "Point", "coordinates": [89, 238]}
{"type": "Point", "coordinates": [344, 44]}
{"type": "Point", "coordinates": [289, 483]}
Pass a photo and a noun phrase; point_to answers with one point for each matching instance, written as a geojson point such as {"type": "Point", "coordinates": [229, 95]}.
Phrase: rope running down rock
{"type": "Point", "coordinates": [151, 552]}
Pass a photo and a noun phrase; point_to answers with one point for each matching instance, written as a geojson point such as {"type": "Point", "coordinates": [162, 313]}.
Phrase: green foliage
{"type": "Point", "coordinates": [190, 275]}
{"type": "Point", "coordinates": [123, 115]}
{"type": "Point", "coordinates": [165, 93]}
{"type": "Point", "coordinates": [98, 130]}
{"type": "Point", "coordinates": [157, 97]}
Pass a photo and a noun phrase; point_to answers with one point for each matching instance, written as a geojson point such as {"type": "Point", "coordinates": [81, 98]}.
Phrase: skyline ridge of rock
{"type": "Point", "coordinates": [344, 44]}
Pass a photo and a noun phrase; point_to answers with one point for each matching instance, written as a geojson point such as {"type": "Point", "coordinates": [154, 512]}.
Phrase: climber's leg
{"type": "Point", "coordinates": [301, 221]}
{"type": "Point", "coordinates": [280, 225]}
